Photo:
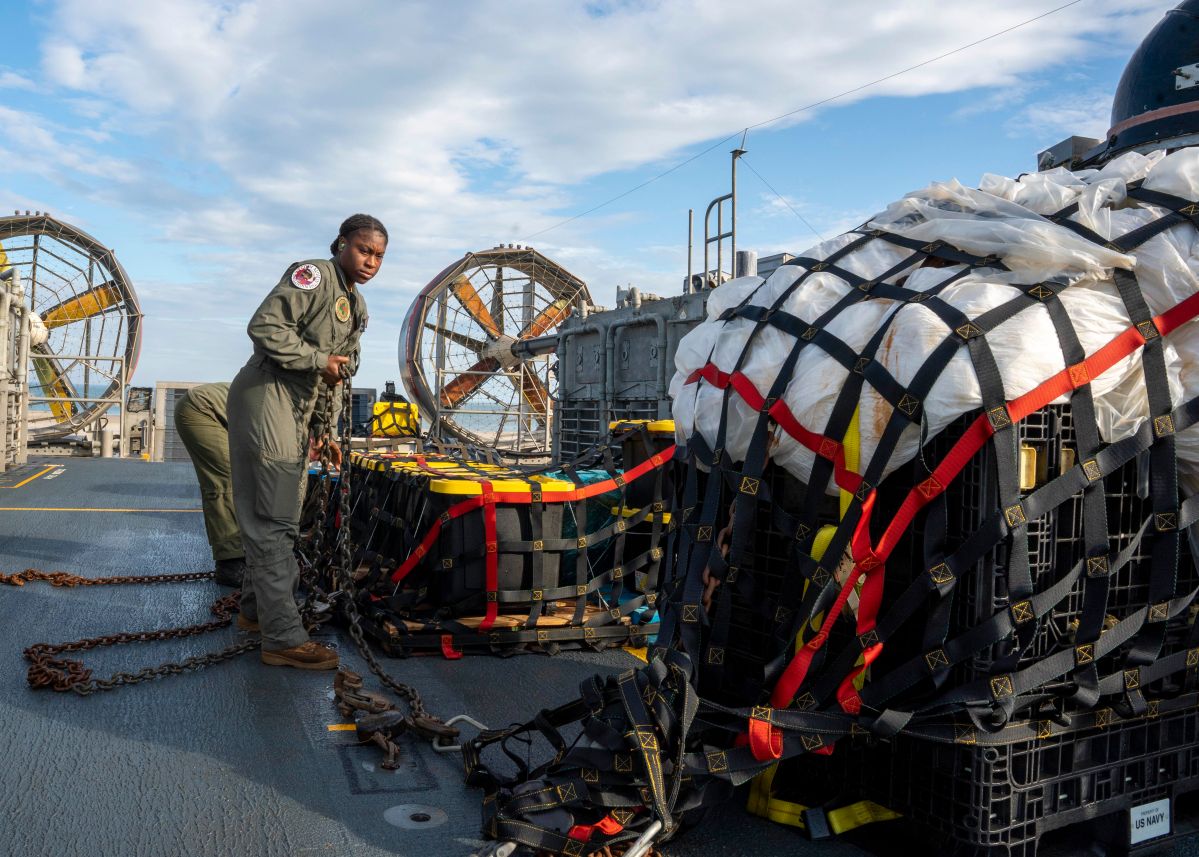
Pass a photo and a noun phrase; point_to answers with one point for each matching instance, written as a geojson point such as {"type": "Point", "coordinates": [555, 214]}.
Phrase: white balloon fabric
{"type": "Point", "coordinates": [1005, 218]}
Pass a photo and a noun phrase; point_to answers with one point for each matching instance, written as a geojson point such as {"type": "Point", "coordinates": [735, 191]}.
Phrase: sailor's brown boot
{"type": "Point", "coordinates": [306, 656]}
{"type": "Point", "coordinates": [246, 624]}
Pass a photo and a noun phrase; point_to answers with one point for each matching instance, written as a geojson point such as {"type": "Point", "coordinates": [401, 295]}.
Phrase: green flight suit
{"type": "Point", "coordinates": [202, 420]}
{"type": "Point", "coordinates": [273, 402]}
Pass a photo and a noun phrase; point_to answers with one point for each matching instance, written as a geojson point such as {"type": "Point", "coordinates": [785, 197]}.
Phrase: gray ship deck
{"type": "Point", "coordinates": [238, 758]}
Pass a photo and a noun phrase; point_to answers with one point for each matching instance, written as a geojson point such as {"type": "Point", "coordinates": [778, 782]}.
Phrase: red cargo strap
{"type": "Point", "coordinates": [447, 648]}
{"type": "Point", "coordinates": [609, 826]}
{"type": "Point", "coordinates": [793, 676]}
{"type": "Point", "coordinates": [524, 497]}
{"type": "Point", "coordinates": [765, 741]}
{"type": "Point", "coordinates": [581, 832]}
{"type": "Point", "coordinates": [426, 544]}
{"type": "Point", "coordinates": [819, 444]}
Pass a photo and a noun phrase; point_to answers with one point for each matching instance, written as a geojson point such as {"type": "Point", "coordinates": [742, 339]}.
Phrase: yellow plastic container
{"type": "Point", "coordinates": [395, 419]}
{"type": "Point", "coordinates": [637, 448]}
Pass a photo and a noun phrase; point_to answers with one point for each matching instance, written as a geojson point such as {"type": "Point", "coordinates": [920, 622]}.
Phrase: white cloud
{"type": "Point", "coordinates": [30, 143]}
{"type": "Point", "coordinates": [297, 100]}
{"type": "Point", "coordinates": [15, 202]}
{"type": "Point", "coordinates": [63, 64]}
{"type": "Point", "coordinates": [1085, 115]}
{"type": "Point", "coordinates": [12, 80]}
{"type": "Point", "coordinates": [1002, 99]}
{"type": "Point", "coordinates": [261, 123]}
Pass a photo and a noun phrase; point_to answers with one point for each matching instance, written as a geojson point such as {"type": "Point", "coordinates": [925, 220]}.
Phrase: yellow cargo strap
{"type": "Point", "coordinates": [624, 512]}
{"type": "Point", "coordinates": [841, 820]}
{"type": "Point", "coordinates": [471, 488]}
{"type": "Point", "coordinates": [762, 801]}
{"type": "Point", "coordinates": [652, 426]}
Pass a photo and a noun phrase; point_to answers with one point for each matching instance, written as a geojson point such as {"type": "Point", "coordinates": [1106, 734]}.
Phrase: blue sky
{"type": "Point", "coordinates": [213, 143]}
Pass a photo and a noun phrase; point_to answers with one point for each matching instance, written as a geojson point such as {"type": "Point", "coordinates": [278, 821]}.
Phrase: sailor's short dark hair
{"type": "Point", "coordinates": [355, 222]}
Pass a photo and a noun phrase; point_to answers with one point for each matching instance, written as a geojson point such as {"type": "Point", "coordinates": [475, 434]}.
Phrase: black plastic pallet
{"type": "Point", "coordinates": [1002, 801]}
{"type": "Point", "coordinates": [1054, 543]}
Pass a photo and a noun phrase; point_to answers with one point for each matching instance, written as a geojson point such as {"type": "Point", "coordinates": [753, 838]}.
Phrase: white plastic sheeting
{"type": "Point", "coordinates": [1004, 217]}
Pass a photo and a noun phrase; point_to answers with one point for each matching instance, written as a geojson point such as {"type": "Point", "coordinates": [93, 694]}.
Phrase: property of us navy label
{"type": "Point", "coordinates": [1148, 821]}
{"type": "Point", "coordinates": [306, 277]}
{"type": "Point", "coordinates": [342, 307]}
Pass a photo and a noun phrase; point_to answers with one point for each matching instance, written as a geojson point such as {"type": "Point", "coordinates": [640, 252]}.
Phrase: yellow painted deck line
{"type": "Point", "coordinates": [31, 478]}
{"type": "Point", "coordinates": [82, 509]}
{"type": "Point", "coordinates": [342, 727]}
{"type": "Point", "coordinates": [639, 654]}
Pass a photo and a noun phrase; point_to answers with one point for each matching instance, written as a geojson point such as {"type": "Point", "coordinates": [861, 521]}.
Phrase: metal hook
{"type": "Point", "coordinates": [644, 841]}
{"type": "Point", "coordinates": [453, 748]}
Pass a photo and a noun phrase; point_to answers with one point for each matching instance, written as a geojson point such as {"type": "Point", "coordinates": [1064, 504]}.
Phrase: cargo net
{"type": "Point", "coordinates": [932, 486]}
{"type": "Point", "coordinates": [459, 555]}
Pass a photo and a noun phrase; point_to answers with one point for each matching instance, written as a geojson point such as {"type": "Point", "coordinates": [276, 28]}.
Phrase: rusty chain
{"type": "Point", "coordinates": [341, 574]}
{"type": "Point", "coordinates": [607, 851]}
{"type": "Point", "coordinates": [47, 670]}
{"type": "Point", "coordinates": [309, 550]}
{"type": "Point", "coordinates": [63, 674]}
{"type": "Point", "coordinates": [68, 580]}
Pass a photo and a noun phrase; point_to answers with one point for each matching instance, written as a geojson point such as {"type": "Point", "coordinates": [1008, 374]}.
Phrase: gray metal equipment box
{"type": "Point", "coordinates": [617, 365]}
{"type": "Point", "coordinates": [362, 409]}
{"type": "Point", "coordinates": [1066, 154]}
{"type": "Point", "coordinates": [167, 445]}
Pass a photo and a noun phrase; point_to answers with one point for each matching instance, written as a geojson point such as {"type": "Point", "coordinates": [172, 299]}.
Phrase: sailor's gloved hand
{"type": "Point", "coordinates": [331, 373]}
{"type": "Point", "coordinates": [317, 445]}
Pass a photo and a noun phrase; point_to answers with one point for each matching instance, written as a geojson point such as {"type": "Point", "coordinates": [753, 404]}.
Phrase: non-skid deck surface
{"type": "Point", "coordinates": [237, 759]}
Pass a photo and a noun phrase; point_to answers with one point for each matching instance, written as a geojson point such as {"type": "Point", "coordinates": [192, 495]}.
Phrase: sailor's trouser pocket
{"type": "Point", "coordinates": [267, 455]}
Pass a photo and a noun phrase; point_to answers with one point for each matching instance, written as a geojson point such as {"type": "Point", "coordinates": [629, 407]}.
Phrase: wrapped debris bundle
{"type": "Point", "coordinates": [1054, 228]}
{"type": "Point", "coordinates": [939, 470]}
{"type": "Point", "coordinates": [464, 556]}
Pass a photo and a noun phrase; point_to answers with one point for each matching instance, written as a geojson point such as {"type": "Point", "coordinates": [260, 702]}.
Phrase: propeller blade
{"type": "Point", "coordinates": [92, 302]}
{"type": "Point", "coordinates": [548, 318]}
{"type": "Point", "coordinates": [54, 382]}
{"type": "Point", "coordinates": [497, 299]}
{"type": "Point", "coordinates": [473, 304]}
{"type": "Point", "coordinates": [535, 394]}
{"type": "Point", "coordinates": [461, 388]}
{"type": "Point", "coordinates": [475, 345]}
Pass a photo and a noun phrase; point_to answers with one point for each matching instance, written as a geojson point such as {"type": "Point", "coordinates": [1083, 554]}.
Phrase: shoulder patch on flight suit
{"type": "Point", "coordinates": [342, 307]}
{"type": "Point", "coordinates": [306, 277]}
